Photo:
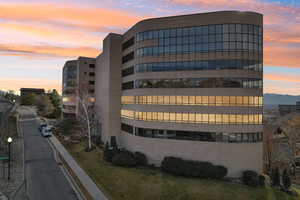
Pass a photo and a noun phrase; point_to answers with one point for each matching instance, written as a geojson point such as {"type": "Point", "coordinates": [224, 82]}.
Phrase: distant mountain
{"type": "Point", "coordinates": [275, 99]}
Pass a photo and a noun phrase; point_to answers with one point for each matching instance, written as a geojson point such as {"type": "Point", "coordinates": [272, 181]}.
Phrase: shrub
{"type": "Point", "coordinates": [275, 177]}
{"type": "Point", "coordinates": [250, 178]}
{"type": "Point", "coordinates": [124, 159]}
{"type": "Point", "coordinates": [108, 153]}
{"type": "Point", "coordinates": [140, 158]}
{"type": "Point", "coordinates": [171, 165]}
{"type": "Point", "coordinates": [261, 180]}
{"type": "Point", "coordinates": [219, 171]}
{"type": "Point", "coordinates": [286, 180]}
{"type": "Point", "coordinates": [96, 139]}
{"type": "Point", "coordinates": [188, 168]}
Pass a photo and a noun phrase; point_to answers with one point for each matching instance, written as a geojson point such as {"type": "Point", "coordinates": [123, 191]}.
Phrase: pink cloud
{"type": "Point", "coordinates": [282, 77]}
{"type": "Point", "coordinates": [16, 84]}
{"type": "Point", "coordinates": [93, 18]}
{"type": "Point", "coordinates": [46, 50]}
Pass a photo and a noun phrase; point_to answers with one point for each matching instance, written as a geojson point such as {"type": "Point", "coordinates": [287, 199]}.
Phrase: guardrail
{"type": "Point", "coordinates": [87, 187]}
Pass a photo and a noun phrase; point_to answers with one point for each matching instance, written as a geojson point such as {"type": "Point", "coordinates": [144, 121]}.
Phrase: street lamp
{"type": "Point", "coordinates": [9, 141]}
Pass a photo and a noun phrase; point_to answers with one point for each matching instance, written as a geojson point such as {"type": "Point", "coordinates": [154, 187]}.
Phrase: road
{"type": "Point", "coordinates": [45, 179]}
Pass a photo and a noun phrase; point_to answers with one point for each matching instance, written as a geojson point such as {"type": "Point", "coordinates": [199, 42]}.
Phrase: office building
{"type": "Point", "coordinates": [286, 109]}
{"type": "Point", "coordinates": [78, 78]}
{"type": "Point", "coordinates": [36, 91]}
{"type": "Point", "coordinates": [188, 86]}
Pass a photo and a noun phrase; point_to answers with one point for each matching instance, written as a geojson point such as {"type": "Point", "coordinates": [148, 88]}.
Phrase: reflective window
{"type": "Point", "coordinates": [194, 100]}
{"type": "Point", "coordinates": [242, 37]}
{"type": "Point", "coordinates": [194, 135]}
{"type": "Point", "coordinates": [237, 64]}
{"type": "Point", "coordinates": [194, 117]}
{"type": "Point", "coordinates": [199, 83]}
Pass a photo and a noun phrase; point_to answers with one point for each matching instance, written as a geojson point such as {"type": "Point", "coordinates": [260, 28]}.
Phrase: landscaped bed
{"type": "Point", "coordinates": [150, 184]}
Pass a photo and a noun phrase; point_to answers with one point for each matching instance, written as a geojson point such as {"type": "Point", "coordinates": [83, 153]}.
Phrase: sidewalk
{"type": "Point", "coordinates": [15, 187]}
{"type": "Point", "coordinates": [85, 180]}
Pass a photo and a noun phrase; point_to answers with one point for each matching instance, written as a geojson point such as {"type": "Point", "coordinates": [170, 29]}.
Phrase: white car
{"type": "Point", "coordinates": [47, 131]}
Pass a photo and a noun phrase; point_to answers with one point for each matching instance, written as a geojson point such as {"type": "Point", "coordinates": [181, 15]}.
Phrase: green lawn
{"type": "Point", "coordinates": [144, 184]}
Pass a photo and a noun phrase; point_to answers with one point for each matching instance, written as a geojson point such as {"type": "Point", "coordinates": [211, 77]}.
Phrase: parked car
{"type": "Point", "coordinates": [47, 131]}
{"type": "Point", "coordinates": [42, 125]}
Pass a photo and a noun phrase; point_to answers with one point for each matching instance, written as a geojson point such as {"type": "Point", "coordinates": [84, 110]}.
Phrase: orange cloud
{"type": "Point", "coordinates": [16, 84]}
{"type": "Point", "coordinates": [51, 33]}
{"type": "Point", "coordinates": [43, 50]}
{"type": "Point", "coordinates": [281, 56]}
{"type": "Point", "coordinates": [93, 18]}
{"type": "Point", "coordinates": [283, 77]}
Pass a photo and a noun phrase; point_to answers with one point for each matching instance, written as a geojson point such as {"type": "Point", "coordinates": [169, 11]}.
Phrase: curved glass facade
{"type": "Point", "coordinates": [200, 83]}
{"type": "Point", "coordinates": [193, 117]}
{"type": "Point", "coordinates": [69, 76]}
{"type": "Point", "coordinates": [222, 64]}
{"type": "Point", "coordinates": [194, 135]}
{"type": "Point", "coordinates": [202, 39]}
{"type": "Point", "coordinates": [194, 100]}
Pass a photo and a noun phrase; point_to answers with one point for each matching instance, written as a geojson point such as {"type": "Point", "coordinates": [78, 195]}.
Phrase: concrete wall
{"type": "Point", "coordinates": [237, 157]}
{"type": "Point", "coordinates": [108, 86]}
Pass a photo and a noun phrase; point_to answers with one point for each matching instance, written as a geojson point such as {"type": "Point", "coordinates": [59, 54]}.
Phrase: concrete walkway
{"type": "Point", "coordinates": [85, 180]}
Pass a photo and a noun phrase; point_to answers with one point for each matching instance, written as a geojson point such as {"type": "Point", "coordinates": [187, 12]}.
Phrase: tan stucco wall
{"type": "Point", "coordinates": [108, 86]}
{"type": "Point", "coordinates": [236, 157]}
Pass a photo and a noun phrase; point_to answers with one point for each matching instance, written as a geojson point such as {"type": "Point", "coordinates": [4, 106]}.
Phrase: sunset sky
{"type": "Point", "coordinates": [38, 36]}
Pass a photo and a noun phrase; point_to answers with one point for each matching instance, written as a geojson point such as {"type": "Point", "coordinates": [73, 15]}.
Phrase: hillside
{"type": "Point", "coordinates": [275, 99]}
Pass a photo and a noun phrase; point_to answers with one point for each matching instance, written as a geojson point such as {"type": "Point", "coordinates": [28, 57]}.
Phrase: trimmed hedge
{"type": "Point", "coordinates": [140, 158]}
{"type": "Point", "coordinates": [189, 168]}
{"type": "Point", "coordinates": [251, 178]}
{"type": "Point", "coordinates": [220, 171]}
{"type": "Point", "coordinates": [109, 153]}
{"type": "Point", "coordinates": [124, 159]}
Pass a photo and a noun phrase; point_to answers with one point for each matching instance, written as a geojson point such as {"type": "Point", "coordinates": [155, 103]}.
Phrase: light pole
{"type": "Point", "coordinates": [9, 141]}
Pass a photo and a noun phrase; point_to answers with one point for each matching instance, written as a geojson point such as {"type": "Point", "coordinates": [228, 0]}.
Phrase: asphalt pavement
{"type": "Point", "coordinates": [45, 180]}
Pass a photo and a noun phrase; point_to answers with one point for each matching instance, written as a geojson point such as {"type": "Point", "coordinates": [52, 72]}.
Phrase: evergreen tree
{"type": "Point", "coordinates": [275, 176]}
{"type": "Point", "coordinates": [56, 102]}
{"type": "Point", "coordinates": [29, 99]}
{"type": "Point", "coordinates": [286, 180]}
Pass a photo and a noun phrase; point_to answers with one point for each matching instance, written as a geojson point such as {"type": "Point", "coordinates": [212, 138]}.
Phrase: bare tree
{"type": "Point", "coordinates": [290, 126]}
{"type": "Point", "coordinates": [268, 145]}
{"type": "Point", "coordinates": [85, 111]}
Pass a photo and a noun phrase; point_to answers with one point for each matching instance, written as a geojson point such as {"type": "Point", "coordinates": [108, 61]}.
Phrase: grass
{"type": "Point", "coordinates": [147, 184]}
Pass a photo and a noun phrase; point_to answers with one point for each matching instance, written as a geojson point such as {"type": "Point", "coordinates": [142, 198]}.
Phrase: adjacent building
{"type": "Point", "coordinates": [78, 79]}
{"type": "Point", "coordinates": [286, 109]}
{"type": "Point", "coordinates": [188, 86]}
{"type": "Point", "coordinates": [37, 91]}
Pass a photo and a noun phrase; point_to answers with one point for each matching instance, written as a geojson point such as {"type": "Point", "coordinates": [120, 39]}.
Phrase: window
{"type": "Point", "coordinates": [208, 38]}
{"type": "Point", "coordinates": [128, 71]}
{"type": "Point", "coordinates": [91, 91]}
{"type": "Point", "coordinates": [127, 128]}
{"type": "Point", "coordinates": [128, 85]}
{"type": "Point", "coordinates": [91, 82]}
{"type": "Point", "coordinates": [128, 57]}
{"type": "Point", "coordinates": [199, 136]}
{"type": "Point", "coordinates": [92, 65]}
{"type": "Point", "coordinates": [128, 43]}
{"type": "Point", "coordinates": [92, 74]}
